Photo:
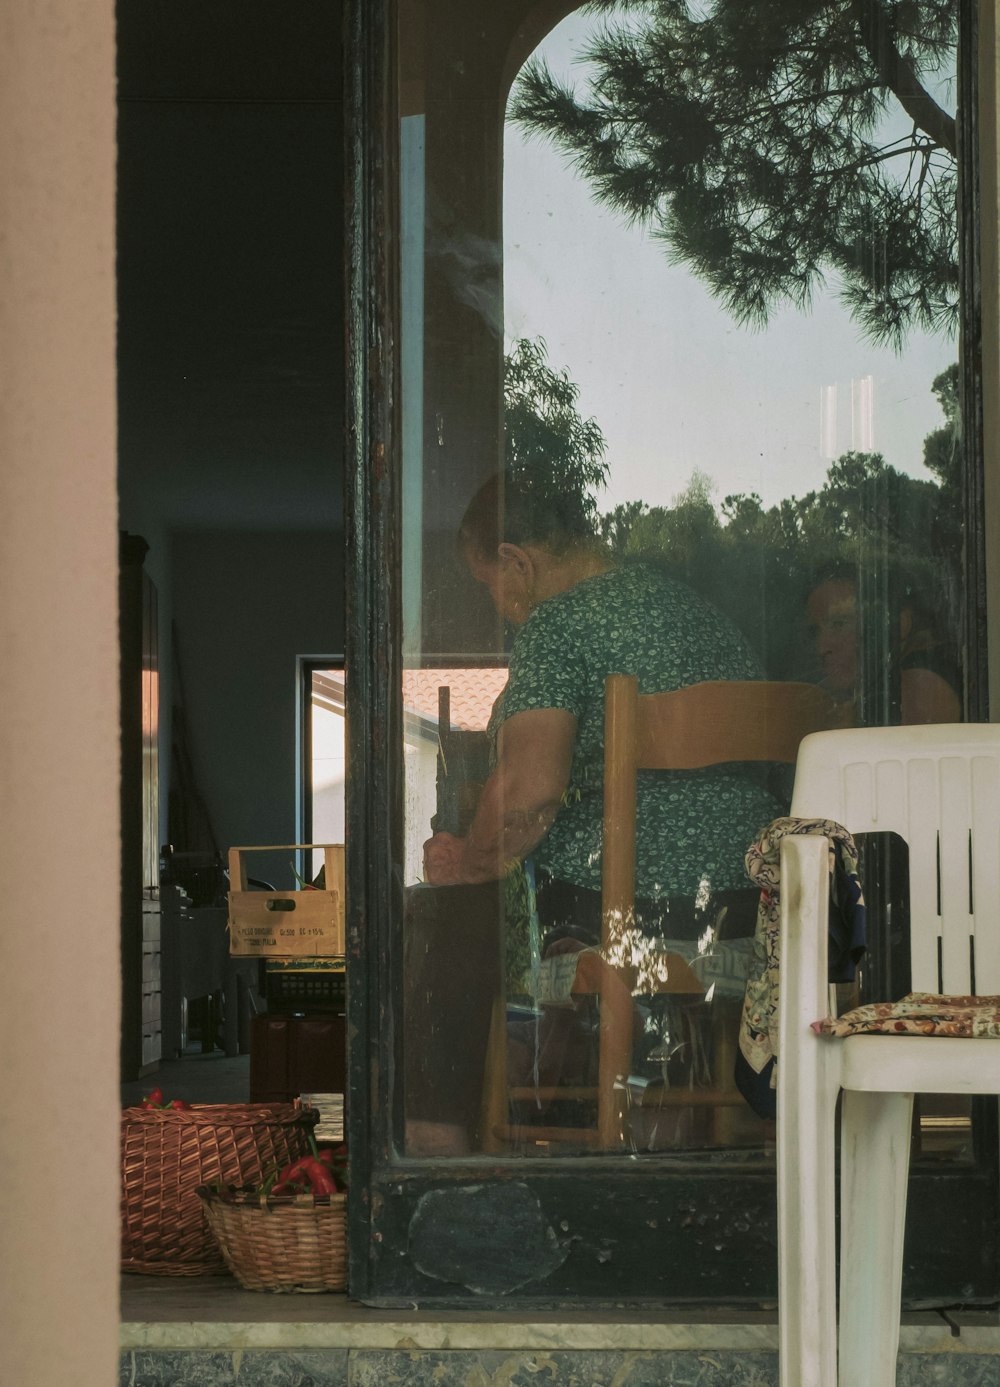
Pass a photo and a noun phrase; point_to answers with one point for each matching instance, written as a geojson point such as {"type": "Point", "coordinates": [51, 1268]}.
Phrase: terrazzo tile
{"type": "Point", "coordinates": [321, 1368]}
{"type": "Point", "coordinates": [176, 1369]}
{"type": "Point", "coordinates": [515, 1368]}
{"type": "Point", "coordinates": [562, 1369]}
{"type": "Point", "coordinates": [948, 1370]}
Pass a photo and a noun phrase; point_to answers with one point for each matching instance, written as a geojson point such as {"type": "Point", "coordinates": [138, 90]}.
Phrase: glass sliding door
{"type": "Point", "coordinates": [683, 349]}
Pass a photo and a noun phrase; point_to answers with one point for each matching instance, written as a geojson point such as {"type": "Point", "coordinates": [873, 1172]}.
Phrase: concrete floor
{"type": "Point", "coordinates": [197, 1078]}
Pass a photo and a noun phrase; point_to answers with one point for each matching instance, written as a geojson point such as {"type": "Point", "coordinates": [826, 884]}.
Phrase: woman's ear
{"type": "Point", "coordinates": [517, 558]}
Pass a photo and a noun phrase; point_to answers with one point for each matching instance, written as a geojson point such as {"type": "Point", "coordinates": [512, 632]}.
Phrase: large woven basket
{"type": "Point", "coordinates": [280, 1242]}
{"type": "Point", "coordinates": [168, 1153]}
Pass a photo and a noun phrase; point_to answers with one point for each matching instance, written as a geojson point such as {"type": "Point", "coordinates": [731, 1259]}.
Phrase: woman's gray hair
{"type": "Point", "coordinates": [525, 507]}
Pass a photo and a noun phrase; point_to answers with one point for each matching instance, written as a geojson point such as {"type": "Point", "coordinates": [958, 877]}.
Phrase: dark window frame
{"type": "Point", "coordinates": [387, 1190]}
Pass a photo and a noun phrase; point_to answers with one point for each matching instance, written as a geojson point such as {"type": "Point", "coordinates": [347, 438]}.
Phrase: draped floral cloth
{"type": "Point", "coordinates": [756, 1076]}
{"type": "Point", "coordinates": [918, 1013]}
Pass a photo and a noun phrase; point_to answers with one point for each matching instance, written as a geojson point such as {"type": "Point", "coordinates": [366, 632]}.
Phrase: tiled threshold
{"type": "Point", "coordinates": [213, 1314]}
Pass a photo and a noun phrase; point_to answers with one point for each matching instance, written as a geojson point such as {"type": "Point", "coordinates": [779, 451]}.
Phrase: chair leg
{"type": "Point", "coordinates": [807, 1232]}
{"type": "Point", "coordinates": [595, 974]}
{"type": "Point", "coordinates": [808, 1084]}
{"type": "Point", "coordinates": [874, 1164]}
{"type": "Point", "coordinates": [494, 1114]}
{"type": "Point", "coordinates": [725, 1027]}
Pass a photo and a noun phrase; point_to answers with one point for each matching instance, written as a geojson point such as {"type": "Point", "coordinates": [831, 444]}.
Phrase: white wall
{"type": "Point", "coordinates": [59, 697]}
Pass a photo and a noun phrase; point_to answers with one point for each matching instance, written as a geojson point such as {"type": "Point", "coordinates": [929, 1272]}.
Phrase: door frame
{"type": "Point", "coordinates": [609, 1220]}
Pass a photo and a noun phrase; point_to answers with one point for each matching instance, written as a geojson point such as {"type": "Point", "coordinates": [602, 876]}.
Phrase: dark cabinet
{"type": "Point", "coordinates": [290, 1055]}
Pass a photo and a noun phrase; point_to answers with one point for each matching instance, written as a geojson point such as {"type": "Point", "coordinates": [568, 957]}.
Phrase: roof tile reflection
{"type": "Point", "coordinates": [473, 693]}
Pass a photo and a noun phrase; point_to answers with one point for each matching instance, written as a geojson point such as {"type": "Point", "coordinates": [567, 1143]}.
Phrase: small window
{"type": "Point", "coordinates": [323, 756]}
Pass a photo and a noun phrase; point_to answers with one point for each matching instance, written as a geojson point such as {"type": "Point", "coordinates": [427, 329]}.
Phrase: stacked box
{"type": "Point", "coordinates": [308, 923]}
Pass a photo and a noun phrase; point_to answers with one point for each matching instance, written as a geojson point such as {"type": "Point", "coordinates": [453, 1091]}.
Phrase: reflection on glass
{"type": "Point", "coordinates": [926, 659]}
{"type": "Point", "coordinates": [327, 761]}
{"type": "Point", "coordinates": [680, 400]}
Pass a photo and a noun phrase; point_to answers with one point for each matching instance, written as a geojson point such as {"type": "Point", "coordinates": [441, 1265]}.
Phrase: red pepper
{"type": "Point", "coordinates": [308, 1175]}
{"type": "Point", "coordinates": [180, 1105]}
{"type": "Point", "coordinates": [321, 1179]}
{"type": "Point", "coordinates": [295, 1169]}
{"type": "Point", "coordinates": [311, 1173]}
{"type": "Point", "coordinates": [153, 1099]}
{"type": "Point", "coordinates": [335, 1160]}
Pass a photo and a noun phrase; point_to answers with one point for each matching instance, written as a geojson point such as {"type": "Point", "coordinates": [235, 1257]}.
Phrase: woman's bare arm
{"type": "Point", "coordinates": [518, 804]}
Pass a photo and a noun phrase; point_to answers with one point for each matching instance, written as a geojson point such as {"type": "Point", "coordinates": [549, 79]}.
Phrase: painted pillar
{"type": "Point", "coordinates": [58, 696]}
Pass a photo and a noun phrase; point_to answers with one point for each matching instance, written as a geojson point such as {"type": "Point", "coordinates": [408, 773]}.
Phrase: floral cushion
{"type": "Point", "coordinates": [918, 1013]}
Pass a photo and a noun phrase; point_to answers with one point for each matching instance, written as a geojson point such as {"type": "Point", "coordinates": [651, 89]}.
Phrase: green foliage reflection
{"type": "Point", "coordinates": [758, 563]}
{"type": "Point", "coordinates": [772, 143]}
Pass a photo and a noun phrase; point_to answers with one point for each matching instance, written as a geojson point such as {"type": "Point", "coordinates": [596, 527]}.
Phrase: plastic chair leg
{"type": "Point", "coordinates": [807, 1102]}
{"type": "Point", "coordinates": [874, 1156]}
{"type": "Point", "coordinates": [807, 1233]}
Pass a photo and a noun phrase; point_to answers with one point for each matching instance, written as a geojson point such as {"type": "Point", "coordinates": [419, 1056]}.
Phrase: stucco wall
{"type": "Point", "coordinates": [58, 695]}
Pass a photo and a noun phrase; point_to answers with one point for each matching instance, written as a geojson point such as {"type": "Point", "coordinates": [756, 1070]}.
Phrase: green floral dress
{"type": "Point", "coordinates": [693, 827]}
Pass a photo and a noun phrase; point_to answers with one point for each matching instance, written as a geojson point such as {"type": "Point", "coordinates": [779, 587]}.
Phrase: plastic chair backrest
{"type": "Point", "coordinates": [938, 788]}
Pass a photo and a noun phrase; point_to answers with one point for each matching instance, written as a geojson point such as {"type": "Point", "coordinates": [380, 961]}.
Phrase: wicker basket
{"type": "Point", "coordinates": [282, 1242]}
{"type": "Point", "coordinates": [167, 1153]}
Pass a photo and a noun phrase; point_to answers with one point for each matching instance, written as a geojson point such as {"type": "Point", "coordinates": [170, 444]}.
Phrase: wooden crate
{"type": "Point", "coordinates": [287, 924]}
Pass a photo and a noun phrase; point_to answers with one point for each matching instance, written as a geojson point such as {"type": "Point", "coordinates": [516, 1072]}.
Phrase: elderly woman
{"type": "Point", "coordinates": [580, 617]}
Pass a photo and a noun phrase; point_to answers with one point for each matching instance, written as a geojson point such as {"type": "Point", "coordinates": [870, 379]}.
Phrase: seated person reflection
{"type": "Point", "coordinates": [928, 668]}
{"type": "Point", "coordinates": [579, 617]}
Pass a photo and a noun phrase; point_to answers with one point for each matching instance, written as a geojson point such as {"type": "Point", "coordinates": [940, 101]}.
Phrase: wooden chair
{"type": "Point", "coordinates": [938, 788]}
{"type": "Point", "coordinates": [691, 728]}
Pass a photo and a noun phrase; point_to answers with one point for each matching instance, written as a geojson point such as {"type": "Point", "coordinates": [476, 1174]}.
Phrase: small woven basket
{"type": "Point", "coordinates": [167, 1153]}
{"type": "Point", "coordinates": [285, 1242]}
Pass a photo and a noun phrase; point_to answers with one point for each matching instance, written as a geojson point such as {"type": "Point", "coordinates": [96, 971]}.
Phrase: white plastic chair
{"type": "Point", "coordinates": [938, 787]}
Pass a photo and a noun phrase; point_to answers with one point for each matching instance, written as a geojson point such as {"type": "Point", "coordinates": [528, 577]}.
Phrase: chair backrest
{"type": "Point", "coordinates": [701, 725]}
{"type": "Point", "coordinates": [938, 788]}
